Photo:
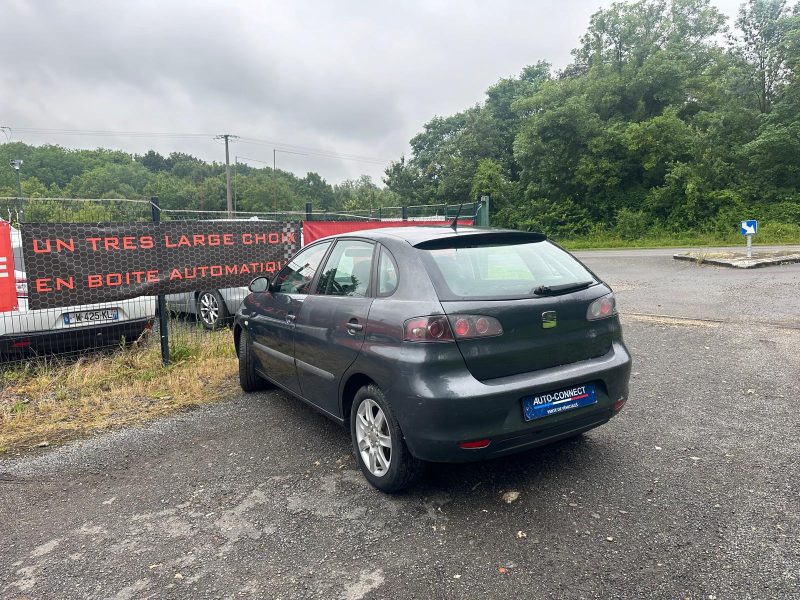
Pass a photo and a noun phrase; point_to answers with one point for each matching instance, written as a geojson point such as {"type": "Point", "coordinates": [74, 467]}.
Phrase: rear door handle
{"type": "Point", "coordinates": [353, 327]}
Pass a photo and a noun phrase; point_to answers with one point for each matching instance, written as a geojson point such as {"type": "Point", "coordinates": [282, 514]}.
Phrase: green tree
{"type": "Point", "coordinates": [490, 181]}
{"type": "Point", "coordinates": [764, 47]}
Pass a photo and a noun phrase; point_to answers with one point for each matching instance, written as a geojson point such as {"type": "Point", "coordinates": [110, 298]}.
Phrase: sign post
{"type": "Point", "coordinates": [749, 229]}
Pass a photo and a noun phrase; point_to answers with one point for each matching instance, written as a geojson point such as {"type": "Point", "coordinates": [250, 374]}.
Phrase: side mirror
{"type": "Point", "coordinates": [259, 285]}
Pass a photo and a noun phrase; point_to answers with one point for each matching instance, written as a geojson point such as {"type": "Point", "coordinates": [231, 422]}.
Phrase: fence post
{"type": "Point", "coordinates": [482, 214]}
{"type": "Point", "coordinates": [404, 209]}
{"type": "Point", "coordinates": [162, 302]}
{"type": "Point", "coordinates": [309, 210]}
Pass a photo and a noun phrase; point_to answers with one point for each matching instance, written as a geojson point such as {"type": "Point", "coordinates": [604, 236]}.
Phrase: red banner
{"type": "Point", "coordinates": [8, 283]}
{"type": "Point", "coordinates": [314, 230]}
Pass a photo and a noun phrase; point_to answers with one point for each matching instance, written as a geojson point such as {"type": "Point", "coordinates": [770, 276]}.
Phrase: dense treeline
{"type": "Point", "coordinates": [665, 120]}
{"type": "Point", "coordinates": [180, 181]}
{"type": "Point", "coordinates": [668, 119]}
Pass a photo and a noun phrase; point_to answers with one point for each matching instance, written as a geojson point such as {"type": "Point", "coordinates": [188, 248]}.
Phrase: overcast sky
{"type": "Point", "coordinates": [347, 77]}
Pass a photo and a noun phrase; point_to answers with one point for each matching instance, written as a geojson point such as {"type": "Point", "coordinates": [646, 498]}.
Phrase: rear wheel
{"type": "Point", "coordinates": [211, 309]}
{"type": "Point", "coordinates": [249, 380]}
{"type": "Point", "coordinates": [378, 442]}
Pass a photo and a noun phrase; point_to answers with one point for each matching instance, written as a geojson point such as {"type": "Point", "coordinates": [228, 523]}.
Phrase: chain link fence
{"type": "Point", "coordinates": [421, 212]}
{"type": "Point", "coordinates": [70, 331]}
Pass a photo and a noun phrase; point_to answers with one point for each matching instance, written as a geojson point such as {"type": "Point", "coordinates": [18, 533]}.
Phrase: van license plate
{"type": "Point", "coordinates": [91, 316]}
{"type": "Point", "coordinates": [553, 403]}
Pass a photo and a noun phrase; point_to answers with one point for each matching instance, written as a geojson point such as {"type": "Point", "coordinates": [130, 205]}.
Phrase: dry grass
{"type": "Point", "coordinates": [49, 402]}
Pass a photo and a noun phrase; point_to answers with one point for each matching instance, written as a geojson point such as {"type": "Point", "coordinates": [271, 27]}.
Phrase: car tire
{"type": "Point", "coordinates": [211, 310]}
{"type": "Point", "coordinates": [372, 426]}
{"type": "Point", "coordinates": [249, 380]}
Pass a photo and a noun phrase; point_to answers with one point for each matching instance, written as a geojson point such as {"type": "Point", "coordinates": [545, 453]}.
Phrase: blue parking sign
{"type": "Point", "coordinates": [749, 227]}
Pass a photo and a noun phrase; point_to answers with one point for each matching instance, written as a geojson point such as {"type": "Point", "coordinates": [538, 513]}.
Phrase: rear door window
{"type": "Point", "coordinates": [502, 271]}
{"type": "Point", "coordinates": [348, 270]}
{"type": "Point", "coordinates": [388, 277]}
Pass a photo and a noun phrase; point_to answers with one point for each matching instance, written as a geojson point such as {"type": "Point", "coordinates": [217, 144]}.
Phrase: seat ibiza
{"type": "Point", "coordinates": [438, 345]}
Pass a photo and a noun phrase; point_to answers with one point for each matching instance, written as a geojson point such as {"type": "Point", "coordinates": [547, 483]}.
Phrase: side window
{"type": "Point", "coordinates": [387, 274]}
{"type": "Point", "coordinates": [295, 277]}
{"type": "Point", "coordinates": [348, 270]}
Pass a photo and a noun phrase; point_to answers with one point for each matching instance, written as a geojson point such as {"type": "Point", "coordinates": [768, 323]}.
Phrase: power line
{"type": "Point", "coordinates": [237, 157]}
{"type": "Point", "coordinates": [314, 151]}
{"type": "Point", "coordinates": [108, 133]}
{"type": "Point", "coordinates": [289, 148]}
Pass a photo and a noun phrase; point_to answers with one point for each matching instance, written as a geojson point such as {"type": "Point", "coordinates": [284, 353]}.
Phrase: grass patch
{"type": "Point", "coordinates": [49, 401]}
{"type": "Point", "coordinates": [786, 234]}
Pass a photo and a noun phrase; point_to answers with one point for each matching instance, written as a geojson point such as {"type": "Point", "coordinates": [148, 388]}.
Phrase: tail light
{"type": "Point", "coordinates": [435, 328]}
{"type": "Point", "coordinates": [438, 328]}
{"type": "Point", "coordinates": [22, 287]}
{"type": "Point", "coordinates": [468, 327]}
{"type": "Point", "coordinates": [602, 308]}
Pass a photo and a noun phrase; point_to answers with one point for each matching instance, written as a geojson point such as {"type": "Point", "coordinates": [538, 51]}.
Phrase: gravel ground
{"type": "Point", "coordinates": [692, 492]}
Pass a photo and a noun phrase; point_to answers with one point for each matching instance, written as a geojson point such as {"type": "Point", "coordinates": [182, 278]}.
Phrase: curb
{"type": "Point", "coordinates": [740, 263]}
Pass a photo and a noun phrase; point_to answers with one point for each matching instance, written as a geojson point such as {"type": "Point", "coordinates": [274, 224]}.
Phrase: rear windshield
{"type": "Point", "coordinates": [502, 271]}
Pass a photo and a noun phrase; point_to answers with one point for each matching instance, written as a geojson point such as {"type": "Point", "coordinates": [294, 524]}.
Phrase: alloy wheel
{"type": "Point", "coordinates": [373, 437]}
{"type": "Point", "coordinates": [209, 309]}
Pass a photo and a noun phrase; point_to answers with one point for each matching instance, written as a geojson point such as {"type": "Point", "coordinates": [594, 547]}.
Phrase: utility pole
{"type": "Point", "coordinates": [16, 164]}
{"type": "Point", "coordinates": [227, 137]}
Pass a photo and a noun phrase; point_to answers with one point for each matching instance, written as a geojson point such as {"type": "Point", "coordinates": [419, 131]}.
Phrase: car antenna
{"type": "Point", "coordinates": [454, 224]}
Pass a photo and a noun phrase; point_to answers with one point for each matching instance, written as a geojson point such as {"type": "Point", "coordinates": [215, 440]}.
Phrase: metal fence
{"type": "Point", "coordinates": [71, 331]}
{"type": "Point", "coordinates": [186, 317]}
{"type": "Point", "coordinates": [421, 212]}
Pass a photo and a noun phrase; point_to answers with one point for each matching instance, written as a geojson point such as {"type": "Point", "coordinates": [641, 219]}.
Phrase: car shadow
{"type": "Point", "coordinates": [578, 457]}
{"type": "Point", "coordinates": [517, 470]}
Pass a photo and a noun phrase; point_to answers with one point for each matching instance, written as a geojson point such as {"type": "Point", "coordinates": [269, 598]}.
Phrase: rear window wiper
{"type": "Point", "coordinates": [564, 288]}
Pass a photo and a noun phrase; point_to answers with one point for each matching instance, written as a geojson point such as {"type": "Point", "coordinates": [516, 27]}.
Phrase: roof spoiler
{"type": "Point", "coordinates": [481, 239]}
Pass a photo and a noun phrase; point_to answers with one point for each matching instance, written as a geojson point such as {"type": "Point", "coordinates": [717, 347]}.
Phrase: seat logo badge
{"type": "Point", "coordinates": [549, 319]}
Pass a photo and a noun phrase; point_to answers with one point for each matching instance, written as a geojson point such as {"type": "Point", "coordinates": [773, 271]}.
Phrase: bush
{"type": "Point", "coordinates": [774, 232]}
{"type": "Point", "coordinates": [555, 219]}
{"type": "Point", "coordinates": [783, 212]}
{"type": "Point", "coordinates": [631, 224]}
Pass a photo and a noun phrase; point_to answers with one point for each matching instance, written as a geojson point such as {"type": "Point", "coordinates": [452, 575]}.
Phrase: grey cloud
{"type": "Point", "coordinates": [348, 76]}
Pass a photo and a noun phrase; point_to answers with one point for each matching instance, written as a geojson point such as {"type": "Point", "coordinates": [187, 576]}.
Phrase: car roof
{"type": "Point", "coordinates": [420, 235]}
{"type": "Point", "coordinates": [416, 234]}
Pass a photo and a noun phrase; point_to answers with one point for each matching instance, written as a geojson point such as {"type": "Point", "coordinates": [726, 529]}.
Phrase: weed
{"type": "Point", "coordinates": [60, 399]}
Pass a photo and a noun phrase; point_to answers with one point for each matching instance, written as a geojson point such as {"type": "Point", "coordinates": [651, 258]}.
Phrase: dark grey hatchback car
{"type": "Point", "coordinates": [438, 345]}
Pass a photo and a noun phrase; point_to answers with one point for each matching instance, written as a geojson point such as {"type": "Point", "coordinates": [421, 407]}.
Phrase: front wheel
{"type": "Point", "coordinates": [378, 443]}
{"type": "Point", "coordinates": [249, 380]}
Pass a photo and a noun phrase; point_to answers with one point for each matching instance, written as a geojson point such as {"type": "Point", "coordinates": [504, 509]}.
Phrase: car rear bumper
{"type": "Point", "coordinates": [436, 419]}
{"type": "Point", "coordinates": [72, 339]}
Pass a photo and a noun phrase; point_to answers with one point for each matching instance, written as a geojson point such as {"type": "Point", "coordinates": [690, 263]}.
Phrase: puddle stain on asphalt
{"type": "Point", "coordinates": [234, 526]}
{"type": "Point", "coordinates": [45, 548]}
{"type": "Point", "coordinates": [132, 591]}
{"type": "Point", "coordinates": [368, 581]}
{"type": "Point", "coordinates": [26, 579]}
{"type": "Point", "coordinates": [136, 534]}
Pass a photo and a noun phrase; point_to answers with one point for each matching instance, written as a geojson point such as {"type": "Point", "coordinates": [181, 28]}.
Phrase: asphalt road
{"type": "Point", "coordinates": [692, 492]}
